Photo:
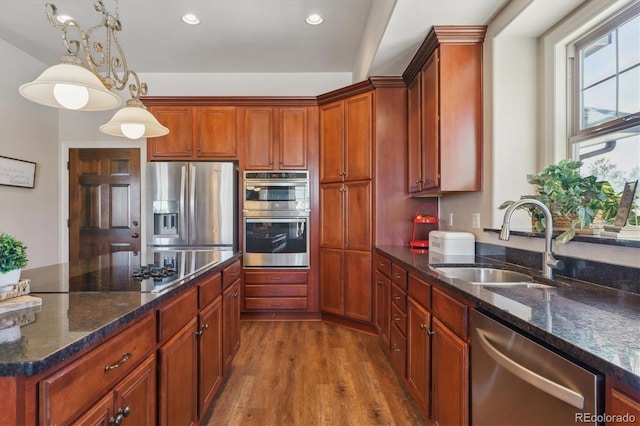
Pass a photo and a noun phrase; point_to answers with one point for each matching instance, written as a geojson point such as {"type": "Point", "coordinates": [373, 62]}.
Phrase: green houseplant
{"type": "Point", "coordinates": [569, 196]}
{"type": "Point", "coordinates": [13, 257]}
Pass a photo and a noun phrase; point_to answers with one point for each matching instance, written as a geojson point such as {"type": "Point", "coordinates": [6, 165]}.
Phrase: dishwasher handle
{"type": "Point", "coordinates": [534, 379]}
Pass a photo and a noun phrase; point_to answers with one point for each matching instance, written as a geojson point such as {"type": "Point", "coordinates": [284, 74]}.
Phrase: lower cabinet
{"type": "Point", "coordinates": [419, 354]}
{"type": "Point", "coordinates": [231, 320]}
{"type": "Point", "coordinates": [275, 290]}
{"type": "Point", "coordinates": [132, 401]}
{"type": "Point", "coordinates": [622, 404]}
{"type": "Point", "coordinates": [209, 354]}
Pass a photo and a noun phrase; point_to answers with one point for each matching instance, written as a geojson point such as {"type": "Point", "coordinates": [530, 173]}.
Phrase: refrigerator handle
{"type": "Point", "coordinates": [182, 231]}
{"type": "Point", "coordinates": [192, 202]}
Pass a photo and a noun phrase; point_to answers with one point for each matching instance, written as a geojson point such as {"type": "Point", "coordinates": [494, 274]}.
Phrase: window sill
{"type": "Point", "coordinates": [592, 239]}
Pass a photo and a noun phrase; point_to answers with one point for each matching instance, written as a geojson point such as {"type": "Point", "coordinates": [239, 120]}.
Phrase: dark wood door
{"type": "Point", "coordinates": [178, 143]}
{"type": "Point", "coordinates": [210, 353]}
{"type": "Point", "coordinates": [138, 392]}
{"type": "Point", "coordinates": [258, 128]}
{"type": "Point", "coordinates": [357, 215]}
{"type": "Point", "coordinates": [431, 123]}
{"type": "Point", "coordinates": [418, 353]}
{"type": "Point", "coordinates": [231, 322]}
{"type": "Point", "coordinates": [358, 291]}
{"type": "Point", "coordinates": [331, 142]}
{"type": "Point", "coordinates": [215, 132]}
{"type": "Point", "coordinates": [358, 140]}
{"type": "Point", "coordinates": [414, 135]}
{"type": "Point", "coordinates": [293, 136]}
{"type": "Point", "coordinates": [104, 201]}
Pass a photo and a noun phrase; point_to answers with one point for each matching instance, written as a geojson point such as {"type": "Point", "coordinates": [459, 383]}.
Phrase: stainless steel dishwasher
{"type": "Point", "coordinates": [516, 381]}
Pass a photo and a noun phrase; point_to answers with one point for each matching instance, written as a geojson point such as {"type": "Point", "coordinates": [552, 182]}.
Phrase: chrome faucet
{"type": "Point", "coordinates": [549, 262]}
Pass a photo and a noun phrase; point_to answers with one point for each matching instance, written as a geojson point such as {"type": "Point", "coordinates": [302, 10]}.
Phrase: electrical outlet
{"type": "Point", "coordinates": [475, 220]}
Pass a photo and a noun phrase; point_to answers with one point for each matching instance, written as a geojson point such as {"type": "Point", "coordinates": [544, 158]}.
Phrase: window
{"type": "Point", "coordinates": [606, 101]}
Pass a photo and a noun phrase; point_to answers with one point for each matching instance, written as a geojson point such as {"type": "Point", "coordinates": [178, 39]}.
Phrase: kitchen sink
{"type": "Point", "coordinates": [490, 276]}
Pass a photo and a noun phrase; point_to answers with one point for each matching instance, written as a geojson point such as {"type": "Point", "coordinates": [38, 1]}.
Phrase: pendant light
{"type": "Point", "coordinates": [134, 122]}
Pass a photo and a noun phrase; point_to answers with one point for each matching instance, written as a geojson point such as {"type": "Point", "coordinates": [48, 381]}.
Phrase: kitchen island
{"type": "Point", "coordinates": [123, 312]}
{"type": "Point", "coordinates": [596, 326]}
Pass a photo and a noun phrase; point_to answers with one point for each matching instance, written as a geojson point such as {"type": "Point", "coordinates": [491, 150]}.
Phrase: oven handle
{"type": "Point", "coordinates": [534, 379]}
{"type": "Point", "coordinates": [275, 219]}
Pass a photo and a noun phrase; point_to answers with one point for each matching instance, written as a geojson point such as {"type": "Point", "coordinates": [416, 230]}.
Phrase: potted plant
{"type": "Point", "coordinates": [572, 198]}
{"type": "Point", "coordinates": [13, 257]}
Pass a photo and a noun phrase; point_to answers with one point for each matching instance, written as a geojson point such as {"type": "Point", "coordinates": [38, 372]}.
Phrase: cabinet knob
{"type": "Point", "coordinates": [423, 326]}
{"type": "Point", "coordinates": [380, 283]}
{"type": "Point", "coordinates": [122, 413]}
{"type": "Point", "coordinates": [202, 329]}
{"type": "Point", "coordinates": [396, 297]}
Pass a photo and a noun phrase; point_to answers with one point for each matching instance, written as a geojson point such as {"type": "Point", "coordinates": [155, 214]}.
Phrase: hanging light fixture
{"type": "Point", "coordinates": [72, 85]}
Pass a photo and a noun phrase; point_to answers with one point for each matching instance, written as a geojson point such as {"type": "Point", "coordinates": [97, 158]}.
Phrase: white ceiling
{"type": "Point", "coordinates": [366, 37]}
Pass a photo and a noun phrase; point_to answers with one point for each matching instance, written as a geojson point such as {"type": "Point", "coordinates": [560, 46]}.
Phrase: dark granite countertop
{"type": "Point", "coordinates": [84, 301]}
{"type": "Point", "coordinates": [592, 324]}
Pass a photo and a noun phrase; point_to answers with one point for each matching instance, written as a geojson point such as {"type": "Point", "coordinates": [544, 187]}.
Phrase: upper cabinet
{"type": "Point", "coordinates": [444, 81]}
{"type": "Point", "coordinates": [276, 138]}
{"type": "Point", "coordinates": [196, 132]}
{"type": "Point", "coordinates": [346, 135]}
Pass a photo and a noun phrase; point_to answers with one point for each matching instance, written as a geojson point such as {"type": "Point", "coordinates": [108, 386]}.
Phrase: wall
{"type": "Point", "coordinates": [29, 132]}
{"type": "Point", "coordinates": [515, 143]}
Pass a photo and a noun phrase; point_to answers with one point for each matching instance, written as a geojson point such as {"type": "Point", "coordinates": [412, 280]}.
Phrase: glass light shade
{"type": "Point", "coordinates": [71, 96]}
{"type": "Point", "coordinates": [42, 89]}
{"type": "Point", "coordinates": [129, 120]}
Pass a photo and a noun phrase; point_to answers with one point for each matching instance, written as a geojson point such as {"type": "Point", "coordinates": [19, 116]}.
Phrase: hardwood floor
{"type": "Point", "coordinates": [311, 373]}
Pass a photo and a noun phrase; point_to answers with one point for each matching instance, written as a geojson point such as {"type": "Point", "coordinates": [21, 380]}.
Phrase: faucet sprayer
{"type": "Point", "coordinates": [549, 262]}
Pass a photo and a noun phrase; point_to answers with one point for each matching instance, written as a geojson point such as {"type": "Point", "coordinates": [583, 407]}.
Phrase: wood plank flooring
{"type": "Point", "coordinates": [311, 373]}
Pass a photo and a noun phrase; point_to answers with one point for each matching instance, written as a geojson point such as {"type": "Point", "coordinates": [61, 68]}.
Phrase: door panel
{"type": "Point", "coordinates": [104, 201]}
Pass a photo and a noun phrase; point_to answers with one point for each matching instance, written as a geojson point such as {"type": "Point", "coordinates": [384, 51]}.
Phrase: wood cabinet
{"type": "Point", "coordinates": [276, 138]}
{"type": "Point", "coordinates": [178, 358]}
{"type": "Point", "coordinates": [398, 318]}
{"type": "Point", "coordinates": [622, 403]}
{"type": "Point", "coordinates": [196, 132]}
{"type": "Point", "coordinates": [444, 81]}
{"type": "Point", "coordinates": [382, 298]}
{"type": "Point", "coordinates": [275, 290]}
{"type": "Point", "coordinates": [131, 402]}
{"type": "Point", "coordinates": [438, 352]}
{"type": "Point", "coordinates": [75, 389]}
{"type": "Point", "coordinates": [346, 139]}
{"type": "Point", "coordinates": [231, 284]}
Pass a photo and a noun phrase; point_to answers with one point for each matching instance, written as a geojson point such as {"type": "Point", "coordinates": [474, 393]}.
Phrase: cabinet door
{"type": "Point", "coordinates": [332, 219]}
{"type": "Point", "coordinates": [331, 281]}
{"type": "Point", "coordinates": [383, 303]}
{"type": "Point", "coordinates": [231, 324]}
{"type": "Point", "coordinates": [357, 139]}
{"type": "Point", "coordinates": [178, 390]}
{"type": "Point", "coordinates": [418, 353]}
{"type": "Point", "coordinates": [98, 415]}
{"type": "Point", "coordinates": [358, 291]}
{"type": "Point", "coordinates": [450, 380]}
{"type": "Point", "coordinates": [178, 143]}
{"type": "Point", "coordinates": [331, 142]}
{"type": "Point", "coordinates": [135, 396]}
{"type": "Point", "coordinates": [215, 133]}
{"type": "Point", "coordinates": [293, 138]}
{"type": "Point", "coordinates": [431, 123]}
{"type": "Point", "coordinates": [258, 138]}
{"type": "Point", "coordinates": [357, 215]}
{"type": "Point", "coordinates": [622, 403]}
{"type": "Point", "coordinates": [414, 135]}
{"type": "Point", "coordinates": [210, 353]}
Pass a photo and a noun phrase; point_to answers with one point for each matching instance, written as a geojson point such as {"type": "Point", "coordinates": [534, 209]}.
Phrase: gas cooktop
{"type": "Point", "coordinates": [147, 271]}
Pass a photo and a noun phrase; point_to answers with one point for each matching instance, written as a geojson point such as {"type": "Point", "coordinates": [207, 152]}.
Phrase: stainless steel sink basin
{"type": "Point", "coordinates": [490, 276]}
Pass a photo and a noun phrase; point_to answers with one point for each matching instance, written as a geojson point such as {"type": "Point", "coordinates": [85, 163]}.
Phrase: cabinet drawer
{"type": "Point", "coordinates": [276, 303]}
{"type": "Point", "coordinates": [175, 314]}
{"type": "Point", "coordinates": [284, 277]}
{"type": "Point", "coordinates": [208, 289]}
{"type": "Point", "coordinates": [398, 350]}
{"type": "Point", "coordinates": [383, 265]}
{"type": "Point", "coordinates": [420, 291]}
{"type": "Point", "coordinates": [399, 298]}
{"type": "Point", "coordinates": [265, 290]}
{"type": "Point", "coordinates": [399, 276]}
{"type": "Point", "coordinates": [399, 318]}
{"type": "Point", "coordinates": [451, 312]}
{"type": "Point", "coordinates": [72, 390]}
{"type": "Point", "coordinates": [230, 274]}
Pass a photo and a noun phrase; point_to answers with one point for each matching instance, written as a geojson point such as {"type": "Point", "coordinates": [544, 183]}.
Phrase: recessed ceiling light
{"type": "Point", "coordinates": [190, 19]}
{"type": "Point", "coordinates": [314, 19]}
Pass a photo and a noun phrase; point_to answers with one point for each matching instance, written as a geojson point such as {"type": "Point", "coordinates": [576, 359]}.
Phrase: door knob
{"type": "Point", "coordinates": [135, 235]}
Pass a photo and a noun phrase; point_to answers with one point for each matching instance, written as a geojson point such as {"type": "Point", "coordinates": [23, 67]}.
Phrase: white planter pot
{"type": "Point", "coordinates": [9, 280]}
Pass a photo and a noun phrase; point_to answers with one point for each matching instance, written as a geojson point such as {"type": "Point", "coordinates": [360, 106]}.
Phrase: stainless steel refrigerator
{"type": "Point", "coordinates": [192, 204]}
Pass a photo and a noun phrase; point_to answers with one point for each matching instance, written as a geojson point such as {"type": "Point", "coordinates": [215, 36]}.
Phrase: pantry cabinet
{"type": "Point", "coordinates": [196, 132]}
{"type": "Point", "coordinates": [276, 138]}
{"type": "Point", "coordinates": [444, 81]}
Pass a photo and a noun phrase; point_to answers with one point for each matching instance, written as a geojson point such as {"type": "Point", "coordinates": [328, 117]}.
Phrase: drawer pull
{"type": "Point", "coordinates": [276, 278]}
{"type": "Point", "coordinates": [396, 318]}
{"type": "Point", "coordinates": [276, 291]}
{"type": "Point", "coordinates": [380, 283]}
{"type": "Point", "coordinates": [202, 329]}
{"type": "Point", "coordinates": [235, 294]}
{"type": "Point", "coordinates": [122, 413]}
{"type": "Point", "coordinates": [397, 276]}
{"type": "Point", "coordinates": [396, 297]}
{"type": "Point", "coordinates": [125, 357]}
{"type": "Point", "coordinates": [276, 304]}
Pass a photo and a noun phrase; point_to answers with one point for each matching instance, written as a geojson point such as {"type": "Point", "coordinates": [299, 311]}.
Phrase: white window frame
{"type": "Point", "coordinates": [556, 75]}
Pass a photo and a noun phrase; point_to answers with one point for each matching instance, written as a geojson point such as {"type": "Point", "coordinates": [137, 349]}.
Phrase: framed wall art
{"type": "Point", "coordinates": [14, 172]}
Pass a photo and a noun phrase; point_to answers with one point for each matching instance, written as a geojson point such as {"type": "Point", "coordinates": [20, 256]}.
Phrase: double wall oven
{"type": "Point", "coordinates": [276, 219]}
